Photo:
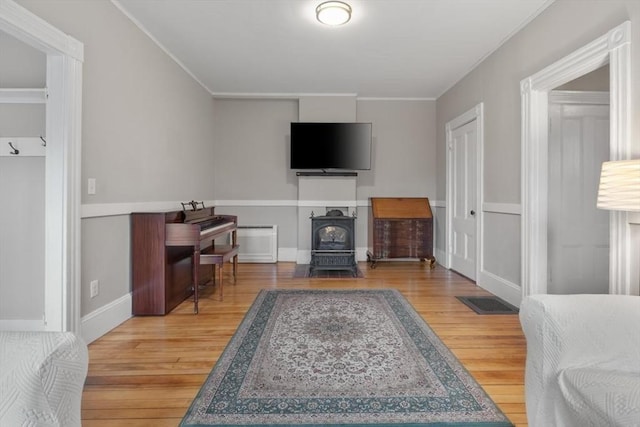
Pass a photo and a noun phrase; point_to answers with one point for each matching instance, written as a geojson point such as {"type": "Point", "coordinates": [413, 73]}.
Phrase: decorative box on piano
{"type": "Point", "coordinates": [400, 228]}
{"type": "Point", "coordinates": [163, 247]}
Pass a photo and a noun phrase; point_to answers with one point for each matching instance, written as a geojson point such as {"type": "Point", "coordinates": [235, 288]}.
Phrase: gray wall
{"type": "Point", "coordinates": [597, 80]}
{"type": "Point", "coordinates": [496, 82]}
{"type": "Point", "coordinates": [21, 188]}
{"type": "Point", "coordinates": [404, 149]}
{"type": "Point", "coordinates": [251, 163]}
{"type": "Point", "coordinates": [21, 66]}
{"type": "Point", "coordinates": [106, 257]}
{"type": "Point", "coordinates": [147, 128]}
{"type": "Point", "coordinates": [252, 149]}
{"type": "Point", "coordinates": [150, 133]}
{"type": "Point", "coordinates": [21, 238]}
{"type": "Point", "coordinates": [147, 132]}
{"type": "Point", "coordinates": [252, 157]}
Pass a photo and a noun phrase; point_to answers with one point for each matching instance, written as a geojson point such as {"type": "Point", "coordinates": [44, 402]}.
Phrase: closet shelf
{"type": "Point", "coordinates": [23, 96]}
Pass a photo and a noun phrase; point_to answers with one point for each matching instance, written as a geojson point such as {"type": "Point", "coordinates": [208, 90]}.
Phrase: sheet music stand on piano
{"type": "Point", "coordinates": [193, 204]}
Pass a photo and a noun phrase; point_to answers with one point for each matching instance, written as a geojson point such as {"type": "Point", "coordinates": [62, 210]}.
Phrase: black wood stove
{"type": "Point", "coordinates": [333, 243]}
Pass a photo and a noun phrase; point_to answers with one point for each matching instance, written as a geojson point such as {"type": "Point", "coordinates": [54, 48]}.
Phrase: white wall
{"type": "Point", "coordinates": [496, 82]}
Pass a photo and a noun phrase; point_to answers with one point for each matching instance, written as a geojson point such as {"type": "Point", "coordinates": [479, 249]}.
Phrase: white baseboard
{"type": "Point", "coordinates": [303, 256]}
{"type": "Point", "coordinates": [441, 257]}
{"type": "Point", "coordinates": [502, 288]}
{"type": "Point", "coordinates": [287, 254]}
{"type": "Point", "coordinates": [22, 325]}
{"type": "Point", "coordinates": [99, 322]}
{"type": "Point", "coordinates": [503, 208]}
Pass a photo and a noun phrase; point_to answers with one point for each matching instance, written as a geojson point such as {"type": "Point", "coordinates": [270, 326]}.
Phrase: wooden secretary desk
{"type": "Point", "coordinates": [400, 228]}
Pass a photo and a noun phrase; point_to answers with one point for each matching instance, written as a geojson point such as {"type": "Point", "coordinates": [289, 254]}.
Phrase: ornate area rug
{"type": "Point", "coordinates": [339, 358]}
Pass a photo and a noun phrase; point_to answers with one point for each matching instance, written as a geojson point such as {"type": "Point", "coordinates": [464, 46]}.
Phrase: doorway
{"type": "Point", "coordinates": [464, 143]}
{"type": "Point", "coordinates": [578, 232]}
{"type": "Point", "coordinates": [464, 192]}
{"type": "Point", "coordinates": [613, 48]}
{"type": "Point", "coordinates": [22, 181]}
{"type": "Point", "coordinates": [62, 162]}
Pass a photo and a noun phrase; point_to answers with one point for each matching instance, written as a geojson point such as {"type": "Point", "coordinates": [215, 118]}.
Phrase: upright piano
{"type": "Point", "coordinates": [163, 248]}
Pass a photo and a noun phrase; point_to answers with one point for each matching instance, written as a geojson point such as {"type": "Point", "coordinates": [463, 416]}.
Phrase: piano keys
{"type": "Point", "coordinates": [163, 247]}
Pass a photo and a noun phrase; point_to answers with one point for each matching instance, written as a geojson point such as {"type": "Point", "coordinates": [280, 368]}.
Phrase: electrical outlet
{"type": "Point", "coordinates": [91, 186]}
{"type": "Point", "coordinates": [94, 288]}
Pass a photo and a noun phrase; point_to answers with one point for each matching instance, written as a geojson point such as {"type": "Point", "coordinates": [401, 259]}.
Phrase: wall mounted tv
{"type": "Point", "coordinates": [331, 146]}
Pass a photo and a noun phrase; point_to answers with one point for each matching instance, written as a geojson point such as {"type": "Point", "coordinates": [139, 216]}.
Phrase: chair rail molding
{"type": "Point", "coordinates": [613, 48]}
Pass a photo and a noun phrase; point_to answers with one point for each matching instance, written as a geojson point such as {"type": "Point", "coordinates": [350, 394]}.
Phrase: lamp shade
{"type": "Point", "coordinates": [620, 185]}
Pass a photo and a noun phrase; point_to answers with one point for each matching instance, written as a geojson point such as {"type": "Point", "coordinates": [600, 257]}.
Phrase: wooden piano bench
{"type": "Point", "coordinates": [220, 255]}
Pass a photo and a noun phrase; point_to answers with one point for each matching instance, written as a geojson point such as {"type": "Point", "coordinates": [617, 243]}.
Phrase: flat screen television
{"type": "Point", "coordinates": [331, 146]}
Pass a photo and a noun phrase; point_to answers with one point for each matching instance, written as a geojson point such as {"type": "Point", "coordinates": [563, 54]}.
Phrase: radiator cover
{"type": "Point", "coordinates": [258, 243]}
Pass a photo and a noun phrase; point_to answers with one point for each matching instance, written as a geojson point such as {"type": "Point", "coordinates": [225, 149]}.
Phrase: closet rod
{"type": "Point", "coordinates": [23, 96]}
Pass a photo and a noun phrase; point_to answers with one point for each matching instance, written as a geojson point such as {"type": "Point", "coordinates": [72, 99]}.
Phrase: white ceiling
{"type": "Point", "coordinates": [389, 49]}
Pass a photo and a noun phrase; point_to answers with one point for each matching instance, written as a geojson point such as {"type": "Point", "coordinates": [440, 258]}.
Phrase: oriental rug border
{"type": "Point", "coordinates": [339, 358]}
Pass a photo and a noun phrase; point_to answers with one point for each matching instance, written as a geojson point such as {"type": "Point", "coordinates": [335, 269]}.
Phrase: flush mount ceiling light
{"type": "Point", "coordinates": [333, 13]}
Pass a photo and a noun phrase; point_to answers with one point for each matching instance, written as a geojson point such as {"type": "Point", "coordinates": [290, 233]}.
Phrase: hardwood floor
{"type": "Point", "coordinates": [146, 371]}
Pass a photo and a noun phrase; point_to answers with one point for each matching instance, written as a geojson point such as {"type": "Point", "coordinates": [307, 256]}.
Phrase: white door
{"type": "Point", "coordinates": [464, 141]}
{"type": "Point", "coordinates": [578, 232]}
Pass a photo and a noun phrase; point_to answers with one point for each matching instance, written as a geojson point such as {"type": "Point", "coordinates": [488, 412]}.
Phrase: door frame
{"type": "Point", "coordinates": [62, 177]}
{"type": "Point", "coordinates": [613, 48]}
{"type": "Point", "coordinates": [474, 114]}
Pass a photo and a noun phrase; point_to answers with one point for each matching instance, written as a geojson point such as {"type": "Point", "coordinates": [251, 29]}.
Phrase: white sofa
{"type": "Point", "coordinates": [41, 378]}
{"type": "Point", "coordinates": [583, 360]}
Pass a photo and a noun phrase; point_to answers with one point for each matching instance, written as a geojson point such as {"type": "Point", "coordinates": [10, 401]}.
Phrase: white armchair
{"type": "Point", "coordinates": [583, 360]}
{"type": "Point", "coordinates": [41, 378]}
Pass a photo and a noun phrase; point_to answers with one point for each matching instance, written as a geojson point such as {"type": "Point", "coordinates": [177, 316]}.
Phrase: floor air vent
{"type": "Point", "coordinates": [258, 243]}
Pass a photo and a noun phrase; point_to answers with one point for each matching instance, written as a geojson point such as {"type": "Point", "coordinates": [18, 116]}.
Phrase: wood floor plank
{"type": "Point", "coordinates": [146, 371]}
{"type": "Point", "coordinates": [125, 404]}
{"type": "Point", "coordinates": [130, 422]}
